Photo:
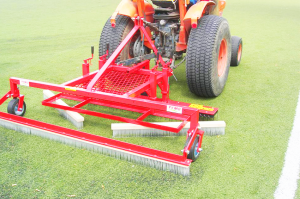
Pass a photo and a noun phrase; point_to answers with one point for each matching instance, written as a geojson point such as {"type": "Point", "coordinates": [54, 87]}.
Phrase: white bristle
{"type": "Point", "coordinates": [113, 152]}
{"type": "Point", "coordinates": [145, 133]}
{"type": "Point", "coordinates": [210, 128]}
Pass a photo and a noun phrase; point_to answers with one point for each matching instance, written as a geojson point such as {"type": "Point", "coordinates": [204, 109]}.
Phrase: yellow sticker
{"type": "Point", "coordinates": [201, 107]}
{"type": "Point", "coordinates": [70, 89]}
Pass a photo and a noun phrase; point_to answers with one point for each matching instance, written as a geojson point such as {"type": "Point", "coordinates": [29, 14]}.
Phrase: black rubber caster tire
{"type": "Point", "coordinates": [236, 50]}
{"type": "Point", "coordinates": [208, 56]}
{"type": "Point", "coordinates": [12, 107]}
{"type": "Point", "coordinates": [193, 155]}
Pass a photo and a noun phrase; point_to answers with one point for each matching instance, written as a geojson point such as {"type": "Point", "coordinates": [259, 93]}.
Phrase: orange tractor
{"type": "Point", "coordinates": [194, 27]}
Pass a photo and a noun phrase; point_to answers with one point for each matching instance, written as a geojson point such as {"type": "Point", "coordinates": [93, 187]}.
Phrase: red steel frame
{"type": "Point", "coordinates": [124, 92]}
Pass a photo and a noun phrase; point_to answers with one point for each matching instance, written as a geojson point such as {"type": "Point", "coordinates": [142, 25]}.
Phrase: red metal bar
{"type": "Point", "coordinates": [102, 59]}
{"type": "Point", "coordinates": [128, 69]}
{"type": "Point", "coordinates": [14, 89]}
{"type": "Point", "coordinates": [138, 90]}
{"type": "Point", "coordinates": [208, 110]}
{"type": "Point", "coordinates": [134, 109]}
{"type": "Point", "coordinates": [111, 117]}
{"type": "Point", "coordinates": [165, 85]}
{"type": "Point", "coordinates": [54, 98]}
{"type": "Point", "coordinates": [85, 69]}
{"type": "Point", "coordinates": [49, 101]}
{"type": "Point", "coordinates": [21, 101]}
{"type": "Point", "coordinates": [81, 104]}
{"type": "Point", "coordinates": [183, 123]}
{"type": "Point", "coordinates": [153, 85]}
{"type": "Point", "coordinates": [137, 109]}
{"type": "Point", "coordinates": [146, 113]}
{"type": "Point", "coordinates": [146, 103]}
{"type": "Point", "coordinates": [139, 66]}
{"type": "Point", "coordinates": [115, 144]}
{"type": "Point", "coordinates": [5, 97]}
{"type": "Point", "coordinates": [142, 117]}
{"type": "Point", "coordinates": [106, 103]}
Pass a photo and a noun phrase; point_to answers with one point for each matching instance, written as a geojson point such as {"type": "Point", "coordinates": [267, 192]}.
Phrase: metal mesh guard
{"type": "Point", "coordinates": [117, 82]}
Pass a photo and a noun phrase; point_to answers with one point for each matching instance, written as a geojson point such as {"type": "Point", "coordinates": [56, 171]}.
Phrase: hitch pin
{"type": "Point", "coordinates": [187, 151]}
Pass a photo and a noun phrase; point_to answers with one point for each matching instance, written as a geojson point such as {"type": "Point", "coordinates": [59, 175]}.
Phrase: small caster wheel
{"type": "Point", "coordinates": [12, 107]}
{"type": "Point", "coordinates": [194, 154]}
{"type": "Point", "coordinates": [236, 50]}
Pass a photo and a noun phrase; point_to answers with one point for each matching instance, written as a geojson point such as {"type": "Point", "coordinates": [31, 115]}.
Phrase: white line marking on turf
{"type": "Point", "coordinates": [290, 173]}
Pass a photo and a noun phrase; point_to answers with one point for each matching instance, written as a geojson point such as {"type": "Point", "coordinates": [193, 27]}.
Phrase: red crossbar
{"type": "Point", "coordinates": [138, 121]}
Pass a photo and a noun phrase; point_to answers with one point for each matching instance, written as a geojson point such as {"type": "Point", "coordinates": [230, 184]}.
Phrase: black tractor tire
{"type": "Point", "coordinates": [12, 107]}
{"type": "Point", "coordinates": [208, 56]}
{"type": "Point", "coordinates": [236, 50]}
{"type": "Point", "coordinates": [114, 36]}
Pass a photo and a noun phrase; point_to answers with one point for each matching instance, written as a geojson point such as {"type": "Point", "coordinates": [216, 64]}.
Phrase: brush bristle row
{"type": "Point", "coordinates": [211, 131]}
{"type": "Point", "coordinates": [116, 153]}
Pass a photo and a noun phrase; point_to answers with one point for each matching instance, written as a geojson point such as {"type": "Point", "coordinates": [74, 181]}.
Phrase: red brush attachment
{"type": "Point", "coordinates": [120, 87]}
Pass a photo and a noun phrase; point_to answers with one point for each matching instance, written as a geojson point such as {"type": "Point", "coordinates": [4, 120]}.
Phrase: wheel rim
{"type": "Point", "coordinates": [18, 112]}
{"type": "Point", "coordinates": [240, 52]}
{"type": "Point", "coordinates": [131, 46]}
{"type": "Point", "coordinates": [222, 60]}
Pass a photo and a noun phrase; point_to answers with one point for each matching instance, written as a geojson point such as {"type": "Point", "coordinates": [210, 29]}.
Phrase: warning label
{"type": "Point", "coordinates": [24, 82]}
{"type": "Point", "coordinates": [201, 107]}
{"type": "Point", "coordinates": [174, 109]}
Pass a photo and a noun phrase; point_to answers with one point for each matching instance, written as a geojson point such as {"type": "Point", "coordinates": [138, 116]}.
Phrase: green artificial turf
{"type": "Point", "coordinates": [47, 41]}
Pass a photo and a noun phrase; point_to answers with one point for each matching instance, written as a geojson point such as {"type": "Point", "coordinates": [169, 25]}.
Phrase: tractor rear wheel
{"type": "Point", "coordinates": [113, 36]}
{"type": "Point", "coordinates": [208, 56]}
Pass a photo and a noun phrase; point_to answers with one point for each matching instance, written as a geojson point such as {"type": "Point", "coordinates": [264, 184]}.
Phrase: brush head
{"type": "Point", "coordinates": [210, 128]}
{"type": "Point", "coordinates": [121, 150]}
{"type": "Point", "coordinates": [75, 118]}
